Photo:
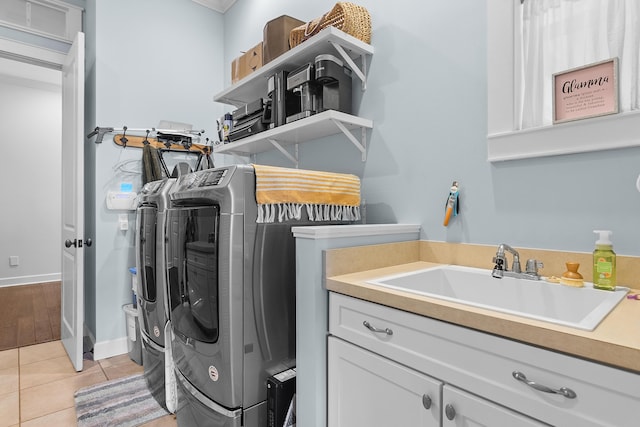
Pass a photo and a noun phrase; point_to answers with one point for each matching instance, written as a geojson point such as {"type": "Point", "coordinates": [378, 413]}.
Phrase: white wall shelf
{"type": "Point", "coordinates": [254, 85]}
{"type": "Point", "coordinates": [327, 123]}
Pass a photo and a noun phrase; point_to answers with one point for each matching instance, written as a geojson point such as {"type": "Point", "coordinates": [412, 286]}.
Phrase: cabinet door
{"type": "Point", "coordinates": [367, 390]}
{"type": "Point", "coordinates": [461, 409]}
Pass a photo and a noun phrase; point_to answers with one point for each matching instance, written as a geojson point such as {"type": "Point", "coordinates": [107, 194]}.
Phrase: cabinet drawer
{"type": "Point", "coordinates": [484, 364]}
{"type": "Point", "coordinates": [464, 409]}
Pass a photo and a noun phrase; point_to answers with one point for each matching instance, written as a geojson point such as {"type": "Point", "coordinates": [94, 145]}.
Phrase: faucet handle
{"type": "Point", "coordinates": [533, 265]}
{"type": "Point", "coordinates": [515, 267]}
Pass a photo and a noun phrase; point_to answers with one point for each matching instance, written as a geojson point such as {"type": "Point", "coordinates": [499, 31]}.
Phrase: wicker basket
{"type": "Point", "coordinates": [348, 17]}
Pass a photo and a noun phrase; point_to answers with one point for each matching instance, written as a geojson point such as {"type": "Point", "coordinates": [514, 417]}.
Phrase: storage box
{"type": "Point", "coordinates": [246, 63]}
{"type": "Point", "coordinates": [280, 391]}
{"type": "Point", "coordinates": [275, 38]}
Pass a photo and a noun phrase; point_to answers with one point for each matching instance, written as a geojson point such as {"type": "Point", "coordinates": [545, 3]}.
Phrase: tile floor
{"type": "Point", "coordinates": [37, 384]}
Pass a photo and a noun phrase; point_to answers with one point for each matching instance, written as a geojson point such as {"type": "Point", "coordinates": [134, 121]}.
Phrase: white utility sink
{"type": "Point", "coordinates": [581, 308]}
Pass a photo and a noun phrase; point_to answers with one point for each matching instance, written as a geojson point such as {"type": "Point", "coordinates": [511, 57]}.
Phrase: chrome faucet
{"type": "Point", "coordinates": [501, 268]}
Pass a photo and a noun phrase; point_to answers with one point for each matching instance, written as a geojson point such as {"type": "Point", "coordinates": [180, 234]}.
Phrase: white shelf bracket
{"type": "Point", "coordinates": [284, 152]}
{"type": "Point", "coordinates": [361, 73]}
{"type": "Point", "coordinates": [362, 146]}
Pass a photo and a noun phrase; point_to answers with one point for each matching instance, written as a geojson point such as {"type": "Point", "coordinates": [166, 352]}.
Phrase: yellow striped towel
{"type": "Point", "coordinates": [327, 196]}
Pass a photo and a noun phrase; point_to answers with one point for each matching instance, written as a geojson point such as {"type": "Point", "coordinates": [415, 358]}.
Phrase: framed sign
{"type": "Point", "coordinates": [584, 92]}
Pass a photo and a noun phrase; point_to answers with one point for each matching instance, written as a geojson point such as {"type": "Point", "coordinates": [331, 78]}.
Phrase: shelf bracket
{"type": "Point", "coordinates": [362, 74]}
{"type": "Point", "coordinates": [362, 146]}
{"type": "Point", "coordinates": [284, 152]}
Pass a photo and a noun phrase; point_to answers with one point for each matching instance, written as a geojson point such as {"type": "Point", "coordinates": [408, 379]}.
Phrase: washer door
{"type": "Point", "coordinates": [205, 276]}
{"type": "Point", "coordinates": [193, 272]}
{"type": "Point", "coordinates": [150, 298]}
{"type": "Point", "coordinates": [147, 223]}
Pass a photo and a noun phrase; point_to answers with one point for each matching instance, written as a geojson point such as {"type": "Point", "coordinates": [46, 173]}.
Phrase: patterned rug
{"type": "Point", "coordinates": [124, 402]}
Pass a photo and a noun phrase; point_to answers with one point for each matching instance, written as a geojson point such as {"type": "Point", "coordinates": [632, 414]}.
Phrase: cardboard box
{"type": "Point", "coordinates": [275, 38]}
{"type": "Point", "coordinates": [246, 63]}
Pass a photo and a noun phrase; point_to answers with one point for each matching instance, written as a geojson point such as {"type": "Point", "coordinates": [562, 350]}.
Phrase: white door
{"type": "Point", "coordinates": [368, 390]}
{"type": "Point", "coordinates": [72, 304]}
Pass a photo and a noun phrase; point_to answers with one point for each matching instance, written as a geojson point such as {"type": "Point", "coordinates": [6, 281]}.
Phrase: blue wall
{"type": "Point", "coordinates": [147, 61]}
{"type": "Point", "coordinates": [165, 59]}
{"type": "Point", "coordinates": [427, 98]}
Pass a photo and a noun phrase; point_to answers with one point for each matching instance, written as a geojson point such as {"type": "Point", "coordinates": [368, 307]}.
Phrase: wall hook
{"type": "Point", "coordinates": [452, 207]}
{"type": "Point", "coordinates": [124, 139]}
{"type": "Point", "coordinates": [146, 138]}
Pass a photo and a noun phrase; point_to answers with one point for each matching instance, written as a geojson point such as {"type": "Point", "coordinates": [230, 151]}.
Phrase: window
{"type": "Point", "coordinates": [505, 140]}
{"type": "Point", "coordinates": [48, 18]}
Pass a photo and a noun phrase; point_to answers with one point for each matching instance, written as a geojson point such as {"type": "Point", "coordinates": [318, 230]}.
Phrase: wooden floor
{"type": "Point", "coordinates": [30, 314]}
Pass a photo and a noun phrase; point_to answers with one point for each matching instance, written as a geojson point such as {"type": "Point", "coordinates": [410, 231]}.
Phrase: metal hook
{"type": "Point", "coordinates": [186, 143]}
{"type": "Point", "coordinates": [208, 151]}
{"type": "Point", "coordinates": [146, 138]}
{"type": "Point", "coordinates": [124, 139]}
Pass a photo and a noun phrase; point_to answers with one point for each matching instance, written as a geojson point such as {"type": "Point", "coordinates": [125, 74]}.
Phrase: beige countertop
{"type": "Point", "coordinates": [615, 341]}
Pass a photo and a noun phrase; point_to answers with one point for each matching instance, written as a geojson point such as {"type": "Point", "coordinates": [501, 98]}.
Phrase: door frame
{"type": "Point", "coordinates": [30, 54]}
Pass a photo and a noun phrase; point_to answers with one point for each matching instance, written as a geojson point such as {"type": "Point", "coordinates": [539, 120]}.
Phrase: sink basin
{"type": "Point", "coordinates": [581, 308]}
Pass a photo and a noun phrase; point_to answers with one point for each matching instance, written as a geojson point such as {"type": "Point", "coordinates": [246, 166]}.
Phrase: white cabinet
{"type": "Point", "coordinates": [312, 304]}
{"type": "Point", "coordinates": [330, 40]}
{"type": "Point", "coordinates": [553, 388]}
{"type": "Point", "coordinates": [365, 389]}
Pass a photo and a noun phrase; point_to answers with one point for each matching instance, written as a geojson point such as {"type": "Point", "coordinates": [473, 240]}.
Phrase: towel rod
{"type": "Point", "coordinates": [139, 142]}
{"type": "Point", "coordinates": [101, 131]}
{"type": "Point", "coordinates": [172, 139]}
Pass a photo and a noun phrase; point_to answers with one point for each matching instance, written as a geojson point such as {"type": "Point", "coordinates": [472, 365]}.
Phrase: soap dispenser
{"type": "Point", "coordinates": [604, 262]}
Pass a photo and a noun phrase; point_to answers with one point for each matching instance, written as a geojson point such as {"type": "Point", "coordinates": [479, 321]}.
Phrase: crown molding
{"type": "Point", "coordinates": [218, 5]}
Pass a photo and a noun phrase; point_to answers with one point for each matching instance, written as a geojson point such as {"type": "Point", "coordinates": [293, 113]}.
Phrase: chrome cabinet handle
{"type": "Point", "coordinates": [426, 401]}
{"type": "Point", "coordinates": [450, 411]}
{"type": "Point", "coordinates": [564, 391]}
{"type": "Point", "coordinates": [374, 329]}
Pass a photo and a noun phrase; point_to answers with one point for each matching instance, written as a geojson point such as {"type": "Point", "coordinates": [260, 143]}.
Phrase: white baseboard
{"type": "Point", "coordinates": [28, 280]}
{"type": "Point", "coordinates": [106, 349]}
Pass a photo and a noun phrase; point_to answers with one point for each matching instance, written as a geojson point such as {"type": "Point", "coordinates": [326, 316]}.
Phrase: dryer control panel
{"type": "Point", "coordinates": [205, 178]}
{"type": "Point", "coordinates": [213, 177]}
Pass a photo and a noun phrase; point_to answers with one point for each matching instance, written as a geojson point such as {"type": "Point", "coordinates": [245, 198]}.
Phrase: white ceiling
{"type": "Point", "coordinates": [217, 5]}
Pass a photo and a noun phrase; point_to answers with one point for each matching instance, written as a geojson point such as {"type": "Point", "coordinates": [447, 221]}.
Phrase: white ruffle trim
{"type": "Point", "coordinates": [293, 211]}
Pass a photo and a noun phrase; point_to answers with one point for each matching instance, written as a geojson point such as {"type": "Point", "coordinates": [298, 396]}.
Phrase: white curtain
{"type": "Point", "coordinates": [558, 35]}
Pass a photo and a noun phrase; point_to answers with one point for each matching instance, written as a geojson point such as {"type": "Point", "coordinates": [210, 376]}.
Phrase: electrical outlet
{"type": "Point", "coordinates": [14, 261]}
